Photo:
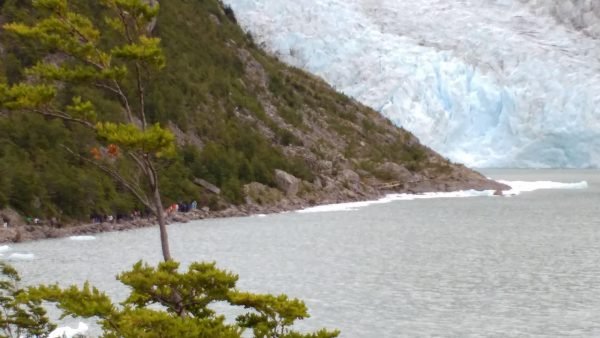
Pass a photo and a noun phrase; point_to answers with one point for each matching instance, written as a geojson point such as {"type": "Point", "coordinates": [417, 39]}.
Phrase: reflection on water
{"type": "Point", "coordinates": [514, 266]}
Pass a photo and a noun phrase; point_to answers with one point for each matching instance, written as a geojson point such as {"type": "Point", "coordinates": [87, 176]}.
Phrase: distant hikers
{"type": "Point", "coordinates": [173, 208]}
{"type": "Point", "coordinates": [182, 207]}
{"type": "Point", "coordinates": [136, 214]}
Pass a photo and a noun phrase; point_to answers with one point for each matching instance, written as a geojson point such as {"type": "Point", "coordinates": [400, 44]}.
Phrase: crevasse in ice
{"type": "Point", "coordinates": [489, 83]}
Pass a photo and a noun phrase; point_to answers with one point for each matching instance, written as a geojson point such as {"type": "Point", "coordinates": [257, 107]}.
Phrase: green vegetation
{"type": "Point", "coordinates": [21, 316]}
{"type": "Point", "coordinates": [183, 299]}
{"type": "Point", "coordinates": [119, 71]}
{"type": "Point", "coordinates": [199, 90]}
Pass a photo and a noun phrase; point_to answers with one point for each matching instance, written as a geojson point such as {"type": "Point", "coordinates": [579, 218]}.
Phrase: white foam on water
{"type": "Point", "coordinates": [517, 187]}
{"type": "Point", "coordinates": [69, 332]}
{"type": "Point", "coordinates": [339, 206]}
{"type": "Point", "coordinates": [17, 256]}
{"type": "Point", "coordinates": [82, 238]}
{"type": "Point", "coordinates": [4, 248]}
{"type": "Point", "coordinates": [350, 206]}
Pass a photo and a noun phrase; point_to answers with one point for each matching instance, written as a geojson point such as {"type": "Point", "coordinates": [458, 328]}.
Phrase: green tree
{"type": "Point", "coordinates": [130, 145]}
{"type": "Point", "coordinates": [21, 316]}
{"type": "Point", "coordinates": [164, 302]}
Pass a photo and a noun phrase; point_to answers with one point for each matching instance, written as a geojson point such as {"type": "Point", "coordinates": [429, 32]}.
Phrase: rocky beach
{"type": "Point", "coordinates": [283, 199]}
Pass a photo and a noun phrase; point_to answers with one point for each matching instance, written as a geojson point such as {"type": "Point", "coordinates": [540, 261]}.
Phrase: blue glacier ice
{"type": "Point", "coordinates": [489, 83]}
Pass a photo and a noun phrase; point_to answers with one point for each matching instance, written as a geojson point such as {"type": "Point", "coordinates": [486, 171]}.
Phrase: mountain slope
{"type": "Point", "coordinates": [263, 133]}
{"type": "Point", "coordinates": [501, 83]}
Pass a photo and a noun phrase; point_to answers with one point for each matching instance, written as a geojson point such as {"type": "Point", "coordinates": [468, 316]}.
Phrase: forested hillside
{"type": "Point", "coordinates": [238, 114]}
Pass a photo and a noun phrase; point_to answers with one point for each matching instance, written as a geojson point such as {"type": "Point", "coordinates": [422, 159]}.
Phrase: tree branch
{"type": "Point", "coordinates": [124, 101]}
{"type": "Point", "coordinates": [139, 163]}
{"type": "Point", "coordinates": [141, 94]}
{"type": "Point", "coordinates": [153, 175]}
{"type": "Point", "coordinates": [83, 38]}
{"type": "Point", "coordinates": [140, 86]}
{"type": "Point", "coordinates": [64, 116]}
{"type": "Point", "coordinates": [116, 90]}
{"type": "Point", "coordinates": [107, 87]}
{"type": "Point", "coordinates": [117, 177]}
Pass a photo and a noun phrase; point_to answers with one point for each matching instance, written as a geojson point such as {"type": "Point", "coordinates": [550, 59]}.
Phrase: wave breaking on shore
{"type": "Point", "coordinates": [517, 188]}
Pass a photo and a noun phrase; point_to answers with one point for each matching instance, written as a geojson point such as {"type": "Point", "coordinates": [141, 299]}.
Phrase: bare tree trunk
{"type": "Point", "coordinates": [166, 251]}
{"type": "Point", "coordinates": [162, 224]}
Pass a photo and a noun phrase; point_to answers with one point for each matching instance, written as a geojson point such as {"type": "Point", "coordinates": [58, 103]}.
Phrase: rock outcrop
{"type": "Point", "coordinates": [394, 171]}
{"type": "Point", "coordinates": [288, 183]}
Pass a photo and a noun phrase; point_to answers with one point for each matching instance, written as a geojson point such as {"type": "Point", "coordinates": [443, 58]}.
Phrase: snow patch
{"type": "Point", "coordinates": [4, 248]}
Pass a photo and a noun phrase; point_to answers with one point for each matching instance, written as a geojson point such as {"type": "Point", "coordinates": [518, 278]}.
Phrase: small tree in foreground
{"type": "Point", "coordinates": [121, 71]}
{"type": "Point", "coordinates": [163, 302]}
{"type": "Point", "coordinates": [21, 316]}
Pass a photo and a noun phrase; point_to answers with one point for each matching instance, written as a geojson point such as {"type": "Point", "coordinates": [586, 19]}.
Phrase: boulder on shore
{"type": "Point", "coordinates": [287, 183]}
{"type": "Point", "coordinates": [351, 178]}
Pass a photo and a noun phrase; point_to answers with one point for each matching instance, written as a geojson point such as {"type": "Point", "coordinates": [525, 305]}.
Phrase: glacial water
{"type": "Point", "coordinates": [525, 265]}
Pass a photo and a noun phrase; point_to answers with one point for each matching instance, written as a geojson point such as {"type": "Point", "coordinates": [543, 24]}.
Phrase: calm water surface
{"type": "Point", "coordinates": [515, 266]}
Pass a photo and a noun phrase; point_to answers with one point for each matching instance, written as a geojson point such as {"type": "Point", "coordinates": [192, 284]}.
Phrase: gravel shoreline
{"type": "Point", "coordinates": [26, 233]}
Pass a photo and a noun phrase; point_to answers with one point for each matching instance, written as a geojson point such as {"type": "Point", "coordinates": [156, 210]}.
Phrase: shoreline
{"type": "Point", "coordinates": [29, 233]}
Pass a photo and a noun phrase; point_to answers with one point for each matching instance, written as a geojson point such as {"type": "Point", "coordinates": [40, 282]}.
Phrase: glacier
{"type": "Point", "coordinates": [488, 83]}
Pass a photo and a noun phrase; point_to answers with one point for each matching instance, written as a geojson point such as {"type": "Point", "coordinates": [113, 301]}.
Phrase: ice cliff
{"type": "Point", "coordinates": [489, 83]}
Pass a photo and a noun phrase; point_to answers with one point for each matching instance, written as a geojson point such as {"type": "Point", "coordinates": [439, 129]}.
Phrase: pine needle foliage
{"type": "Point", "coordinates": [21, 316]}
{"type": "Point", "coordinates": [165, 302]}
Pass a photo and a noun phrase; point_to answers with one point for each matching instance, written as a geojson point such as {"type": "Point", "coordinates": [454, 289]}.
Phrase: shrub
{"type": "Point", "coordinates": [21, 316]}
{"type": "Point", "coordinates": [163, 302]}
